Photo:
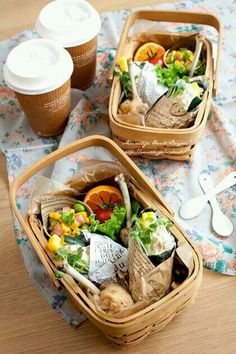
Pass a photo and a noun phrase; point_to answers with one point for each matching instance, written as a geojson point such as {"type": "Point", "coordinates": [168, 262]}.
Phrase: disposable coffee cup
{"type": "Point", "coordinates": [74, 24]}
{"type": "Point", "coordinates": [39, 73]}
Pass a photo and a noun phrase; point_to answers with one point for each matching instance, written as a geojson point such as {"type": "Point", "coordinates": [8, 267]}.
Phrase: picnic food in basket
{"type": "Point", "coordinates": [167, 108]}
{"type": "Point", "coordinates": [90, 261]}
{"type": "Point", "coordinates": [168, 128]}
{"type": "Point", "coordinates": [89, 238]}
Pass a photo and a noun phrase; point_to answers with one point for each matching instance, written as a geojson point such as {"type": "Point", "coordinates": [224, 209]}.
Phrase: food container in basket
{"type": "Point", "coordinates": [158, 143]}
{"type": "Point", "coordinates": [135, 327]}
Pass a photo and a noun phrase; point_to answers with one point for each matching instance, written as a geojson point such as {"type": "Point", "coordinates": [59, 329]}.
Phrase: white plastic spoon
{"type": "Point", "coordinates": [220, 222]}
{"type": "Point", "coordinates": [194, 206]}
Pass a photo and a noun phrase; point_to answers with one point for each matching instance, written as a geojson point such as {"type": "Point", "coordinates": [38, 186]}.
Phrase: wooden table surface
{"type": "Point", "coordinates": [29, 325]}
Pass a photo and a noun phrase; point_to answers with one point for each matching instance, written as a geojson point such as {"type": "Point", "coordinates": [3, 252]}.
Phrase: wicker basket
{"type": "Point", "coordinates": [156, 143]}
{"type": "Point", "coordinates": [133, 328]}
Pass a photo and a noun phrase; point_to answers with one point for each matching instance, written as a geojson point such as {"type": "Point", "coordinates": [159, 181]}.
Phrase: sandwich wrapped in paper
{"type": "Point", "coordinates": [151, 256]}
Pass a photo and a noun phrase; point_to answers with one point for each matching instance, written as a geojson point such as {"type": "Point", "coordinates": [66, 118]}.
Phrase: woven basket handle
{"type": "Point", "coordinates": [174, 16]}
{"type": "Point", "coordinates": [96, 140]}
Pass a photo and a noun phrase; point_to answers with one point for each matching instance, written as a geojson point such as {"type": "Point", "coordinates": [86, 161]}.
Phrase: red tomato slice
{"type": "Point", "coordinates": [103, 215]}
{"type": "Point", "coordinates": [156, 61]}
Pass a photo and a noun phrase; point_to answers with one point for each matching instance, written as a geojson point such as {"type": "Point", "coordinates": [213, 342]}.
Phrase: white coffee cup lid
{"type": "Point", "coordinates": [69, 22]}
{"type": "Point", "coordinates": [37, 66]}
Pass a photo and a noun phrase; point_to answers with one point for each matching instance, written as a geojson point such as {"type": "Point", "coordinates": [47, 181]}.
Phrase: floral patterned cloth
{"type": "Point", "coordinates": [177, 181]}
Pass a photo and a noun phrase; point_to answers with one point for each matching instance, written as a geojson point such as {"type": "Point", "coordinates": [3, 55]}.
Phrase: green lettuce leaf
{"type": "Point", "coordinates": [112, 226]}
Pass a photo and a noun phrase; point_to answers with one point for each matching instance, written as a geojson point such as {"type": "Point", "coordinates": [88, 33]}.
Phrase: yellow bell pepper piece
{"type": "Point", "coordinates": [55, 215]}
{"type": "Point", "coordinates": [123, 63]}
{"type": "Point", "coordinates": [191, 57]}
{"type": "Point", "coordinates": [148, 216]}
{"type": "Point", "coordinates": [74, 226]}
{"type": "Point", "coordinates": [75, 231]}
{"type": "Point", "coordinates": [65, 228]}
{"type": "Point", "coordinates": [54, 243]}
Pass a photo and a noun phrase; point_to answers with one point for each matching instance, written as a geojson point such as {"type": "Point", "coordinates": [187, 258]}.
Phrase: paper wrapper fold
{"type": "Point", "coordinates": [45, 188]}
{"type": "Point", "coordinates": [96, 172]}
{"type": "Point", "coordinates": [147, 282]}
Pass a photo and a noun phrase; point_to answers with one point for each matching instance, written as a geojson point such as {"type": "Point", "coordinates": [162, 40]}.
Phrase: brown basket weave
{"type": "Point", "coordinates": [156, 143]}
{"type": "Point", "coordinates": [133, 328]}
{"type": "Point", "coordinates": [47, 112]}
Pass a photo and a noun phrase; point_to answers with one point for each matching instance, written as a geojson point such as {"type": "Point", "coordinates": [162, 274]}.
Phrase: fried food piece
{"type": "Point", "coordinates": [114, 299]}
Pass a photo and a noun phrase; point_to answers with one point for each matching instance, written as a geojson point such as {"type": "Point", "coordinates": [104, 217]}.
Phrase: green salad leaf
{"type": "Point", "coordinates": [169, 76]}
{"type": "Point", "coordinates": [112, 226]}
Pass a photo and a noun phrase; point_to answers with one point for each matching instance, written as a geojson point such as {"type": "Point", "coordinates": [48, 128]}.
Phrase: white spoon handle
{"type": "Point", "coordinates": [220, 222]}
{"type": "Point", "coordinates": [226, 183]}
{"type": "Point", "coordinates": [206, 183]}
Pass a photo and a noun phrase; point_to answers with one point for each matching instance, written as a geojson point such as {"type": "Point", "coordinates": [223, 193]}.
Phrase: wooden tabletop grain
{"type": "Point", "coordinates": [29, 325]}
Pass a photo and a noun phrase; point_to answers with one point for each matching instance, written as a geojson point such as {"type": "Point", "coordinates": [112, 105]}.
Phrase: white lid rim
{"type": "Point", "coordinates": [70, 35]}
{"type": "Point", "coordinates": [35, 92]}
{"type": "Point", "coordinates": [52, 83]}
{"type": "Point", "coordinates": [67, 44]}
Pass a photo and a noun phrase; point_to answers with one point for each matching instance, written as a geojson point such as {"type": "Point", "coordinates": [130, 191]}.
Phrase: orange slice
{"type": "Point", "coordinates": [103, 197]}
{"type": "Point", "coordinates": [149, 50]}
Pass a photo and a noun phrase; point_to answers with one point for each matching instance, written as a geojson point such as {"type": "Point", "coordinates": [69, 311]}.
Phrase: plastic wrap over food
{"type": "Point", "coordinates": [106, 259]}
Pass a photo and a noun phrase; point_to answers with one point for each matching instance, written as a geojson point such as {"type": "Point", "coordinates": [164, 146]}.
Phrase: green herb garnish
{"type": "Point", "coordinates": [75, 260]}
{"type": "Point", "coordinates": [124, 81]}
{"type": "Point", "coordinates": [144, 228]}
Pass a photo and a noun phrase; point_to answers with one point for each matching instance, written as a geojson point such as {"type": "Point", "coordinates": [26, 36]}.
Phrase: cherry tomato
{"type": "Point", "coordinates": [156, 61]}
{"type": "Point", "coordinates": [103, 215]}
